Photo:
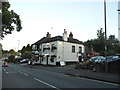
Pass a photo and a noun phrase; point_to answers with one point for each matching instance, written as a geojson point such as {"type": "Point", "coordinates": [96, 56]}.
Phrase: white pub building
{"type": "Point", "coordinates": [57, 50]}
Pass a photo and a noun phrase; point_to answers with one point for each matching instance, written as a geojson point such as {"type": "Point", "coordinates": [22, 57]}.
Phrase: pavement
{"type": "Point", "coordinates": [69, 70]}
{"type": "Point", "coordinates": [107, 77]}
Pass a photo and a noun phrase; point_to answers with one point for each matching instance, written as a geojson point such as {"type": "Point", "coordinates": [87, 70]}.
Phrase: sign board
{"type": "Point", "coordinates": [62, 63]}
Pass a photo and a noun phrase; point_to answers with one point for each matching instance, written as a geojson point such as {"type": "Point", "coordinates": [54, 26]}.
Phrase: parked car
{"type": "Point", "coordinates": [24, 61]}
{"type": "Point", "coordinates": [29, 62]}
{"type": "Point", "coordinates": [98, 59]}
{"type": "Point", "coordinates": [112, 58]}
{"type": "Point", "coordinates": [4, 63]}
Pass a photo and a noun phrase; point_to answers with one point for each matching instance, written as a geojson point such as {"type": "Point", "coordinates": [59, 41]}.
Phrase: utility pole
{"type": "Point", "coordinates": [106, 64]}
{"type": "Point", "coordinates": [18, 44]}
{"type": "Point", "coordinates": [118, 21]}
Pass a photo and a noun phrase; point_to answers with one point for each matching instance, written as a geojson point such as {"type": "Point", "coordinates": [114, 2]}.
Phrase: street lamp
{"type": "Point", "coordinates": [18, 44]}
{"type": "Point", "coordinates": [106, 65]}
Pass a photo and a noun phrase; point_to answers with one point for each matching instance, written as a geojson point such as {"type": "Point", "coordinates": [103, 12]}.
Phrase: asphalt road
{"type": "Point", "coordinates": [18, 76]}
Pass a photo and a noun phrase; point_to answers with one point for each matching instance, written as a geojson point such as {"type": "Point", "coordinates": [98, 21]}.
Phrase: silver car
{"type": "Point", "coordinates": [98, 59]}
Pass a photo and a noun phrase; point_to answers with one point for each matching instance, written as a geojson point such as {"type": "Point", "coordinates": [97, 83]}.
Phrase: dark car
{"type": "Point", "coordinates": [24, 61]}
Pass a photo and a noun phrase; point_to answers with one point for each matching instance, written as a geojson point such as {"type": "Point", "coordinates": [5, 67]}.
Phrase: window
{"type": "Point", "coordinates": [53, 47]}
{"type": "Point", "coordinates": [73, 49]}
{"type": "Point", "coordinates": [80, 49]}
{"type": "Point", "coordinates": [43, 48]}
{"type": "Point", "coordinates": [52, 59]}
{"type": "Point", "coordinates": [40, 47]}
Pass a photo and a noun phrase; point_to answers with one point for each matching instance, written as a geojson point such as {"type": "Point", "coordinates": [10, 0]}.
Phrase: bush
{"type": "Point", "coordinates": [85, 65]}
{"type": "Point", "coordinates": [113, 67]}
{"type": "Point", "coordinates": [11, 58]}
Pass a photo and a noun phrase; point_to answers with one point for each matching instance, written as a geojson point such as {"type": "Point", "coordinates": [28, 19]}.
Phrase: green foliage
{"type": "Point", "coordinates": [26, 51]}
{"type": "Point", "coordinates": [26, 55]}
{"type": "Point", "coordinates": [28, 48]}
{"type": "Point", "coordinates": [11, 58]}
{"type": "Point", "coordinates": [113, 45]}
{"type": "Point", "coordinates": [5, 51]}
{"type": "Point", "coordinates": [23, 50]}
{"type": "Point", "coordinates": [12, 52]}
{"type": "Point", "coordinates": [10, 20]}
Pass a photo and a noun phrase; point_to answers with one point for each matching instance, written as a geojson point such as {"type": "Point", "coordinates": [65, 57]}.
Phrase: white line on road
{"type": "Point", "coordinates": [23, 73]}
{"type": "Point", "coordinates": [46, 84]}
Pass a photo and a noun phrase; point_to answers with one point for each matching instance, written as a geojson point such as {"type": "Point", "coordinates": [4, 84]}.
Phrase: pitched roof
{"type": "Point", "coordinates": [57, 38]}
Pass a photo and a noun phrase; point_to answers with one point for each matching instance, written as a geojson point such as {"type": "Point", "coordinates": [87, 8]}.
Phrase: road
{"type": "Point", "coordinates": [18, 76]}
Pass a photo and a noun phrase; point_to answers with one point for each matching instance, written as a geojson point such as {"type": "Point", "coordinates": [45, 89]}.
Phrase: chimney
{"type": "Point", "coordinates": [48, 35]}
{"type": "Point", "coordinates": [71, 35]}
{"type": "Point", "coordinates": [65, 35]}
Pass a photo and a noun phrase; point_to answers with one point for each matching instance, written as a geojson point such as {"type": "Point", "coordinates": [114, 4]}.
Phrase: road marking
{"type": "Point", "coordinates": [23, 73]}
{"type": "Point", "coordinates": [46, 83]}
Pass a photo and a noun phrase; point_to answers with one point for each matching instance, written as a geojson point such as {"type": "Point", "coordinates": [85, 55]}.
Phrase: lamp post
{"type": "Point", "coordinates": [106, 64]}
{"type": "Point", "coordinates": [18, 44]}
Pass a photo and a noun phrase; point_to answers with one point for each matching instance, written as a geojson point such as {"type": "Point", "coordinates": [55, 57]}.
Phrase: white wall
{"type": "Point", "coordinates": [49, 52]}
{"type": "Point", "coordinates": [65, 52]}
{"type": "Point", "coordinates": [59, 51]}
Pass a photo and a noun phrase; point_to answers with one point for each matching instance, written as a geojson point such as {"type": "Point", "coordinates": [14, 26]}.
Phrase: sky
{"type": "Point", "coordinates": [81, 17]}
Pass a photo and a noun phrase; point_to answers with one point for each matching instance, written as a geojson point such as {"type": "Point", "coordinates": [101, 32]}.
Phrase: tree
{"type": "Point", "coordinates": [98, 45]}
{"type": "Point", "coordinates": [100, 35]}
{"type": "Point", "coordinates": [10, 20]}
{"type": "Point", "coordinates": [26, 51]}
{"type": "Point", "coordinates": [26, 55]}
{"type": "Point", "coordinates": [23, 50]}
{"type": "Point", "coordinates": [12, 52]}
{"type": "Point", "coordinates": [11, 58]}
{"type": "Point", "coordinates": [28, 48]}
{"type": "Point", "coordinates": [100, 41]}
{"type": "Point", "coordinates": [113, 45]}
